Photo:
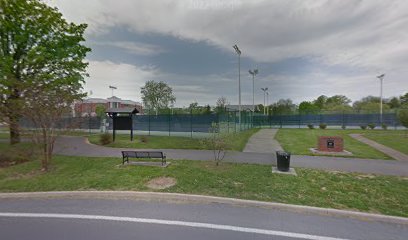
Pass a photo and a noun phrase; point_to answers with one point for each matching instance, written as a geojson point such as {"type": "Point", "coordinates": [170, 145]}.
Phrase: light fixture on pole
{"type": "Point", "coordinates": [253, 73]}
{"type": "Point", "coordinates": [112, 88]}
{"type": "Point", "coordinates": [381, 77]}
{"type": "Point", "coordinates": [239, 83]}
{"type": "Point", "coordinates": [264, 90]}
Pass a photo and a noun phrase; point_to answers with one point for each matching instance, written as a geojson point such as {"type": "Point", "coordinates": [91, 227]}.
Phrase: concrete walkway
{"type": "Point", "coordinates": [387, 150]}
{"type": "Point", "coordinates": [79, 146]}
{"type": "Point", "coordinates": [263, 142]}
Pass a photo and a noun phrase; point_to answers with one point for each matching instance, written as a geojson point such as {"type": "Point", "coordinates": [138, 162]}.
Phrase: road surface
{"type": "Point", "coordinates": [88, 218]}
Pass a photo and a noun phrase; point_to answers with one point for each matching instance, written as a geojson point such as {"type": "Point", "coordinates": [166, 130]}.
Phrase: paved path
{"type": "Point", "coordinates": [78, 146]}
{"type": "Point", "coordinates": [263, 142]}
{"type": "Point", "coordinates": [92, 218]}
{"type": "Point", "coordinates": [397, 155]}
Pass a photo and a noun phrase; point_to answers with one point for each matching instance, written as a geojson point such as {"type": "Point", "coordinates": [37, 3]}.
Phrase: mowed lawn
{"type": "Point", "coordinates": [237, 141]}
{"type": "Point", "coordinates": [397, 140]}
{"type": "Point", "coordinates": [299, 141]}
{"type": "Point", "coordinates": [368, 193]}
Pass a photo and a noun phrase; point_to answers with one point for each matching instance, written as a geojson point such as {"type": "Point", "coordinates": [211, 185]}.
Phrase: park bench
{"type": "Point", "coordinates": [143, 154]}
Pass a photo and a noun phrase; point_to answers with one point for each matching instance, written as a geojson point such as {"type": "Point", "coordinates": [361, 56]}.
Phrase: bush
{"type": "Point", "coordinates": [322, 125]}
{"type": "Point", "coordinates": [18, 153]}
{"type": "Point", "coordinates": [310, 126]}
{"type": "Point", "coordinates": [371, 125]}
{"type": "Point", "coordinates": [343, 127]}
{"type": "Point", "coordinates": [105, 139]}
{"type": "Point", "coordinates": [144, 139]}
{"type": "Point", "coordinates": [384, 126]}
{"type": "Point", "coordinates": [364, 127]}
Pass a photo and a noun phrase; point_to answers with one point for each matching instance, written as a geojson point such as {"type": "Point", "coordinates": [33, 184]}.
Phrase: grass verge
{"type": "Point", "coordinates": [397, 140]}
{"type": "Point", "coordinates": [237, 141]}
{"type": "Point", "coordinates": [298, 141]}
{"type": "Point", "coordinates": [368, 193]}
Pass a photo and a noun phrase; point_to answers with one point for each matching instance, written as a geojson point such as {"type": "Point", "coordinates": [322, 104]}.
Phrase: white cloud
{"type": "Point", "coordinates": [136, 48]}
{"type": "Point", "coordinates": [369, 35]}
{"type": "Point", "coordinates": [127, 78]}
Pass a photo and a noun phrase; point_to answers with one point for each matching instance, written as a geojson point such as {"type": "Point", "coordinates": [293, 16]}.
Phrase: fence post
{"type": "Point", "coordinates": [169, 122]}
{"type": "Point", "coordinates": [227, 122]}
{"type": "Point", "coordinates": [149, 121]}
{"type": "Point", "coordinates": [191, 122]}
{"type": "Point", "coordinates": [235, 121]}
{"type": "Point", "coordinates": [299, 116]}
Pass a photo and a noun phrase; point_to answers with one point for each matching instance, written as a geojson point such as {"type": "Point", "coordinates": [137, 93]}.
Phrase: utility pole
{"type": "Point", "coordinates": [239, 83]}
{"type": "Point", "coordinates": [381, 77]}
{"type": "Point", "coordinates": [264, 90]}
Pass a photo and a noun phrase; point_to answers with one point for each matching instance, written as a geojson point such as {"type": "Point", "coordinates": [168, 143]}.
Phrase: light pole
{"type": "Point", "coordinates": [267, 103]}
{"type": "Point", "coordinates": [264, 90]}
{"type": "Point", "coordinates": [239, 83]}
{"type": "Point", "coordinates": [253, 73]}
{"type": "Point", "coordinates": [381, 77]}
{"type": "Point", "coordinates": [112, 88]}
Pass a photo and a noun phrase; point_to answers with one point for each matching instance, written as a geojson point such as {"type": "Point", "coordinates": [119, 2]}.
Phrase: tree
{"type": "Point", "coordinates": [37, 46]}
{"type": "Point", "coordinates": [308, 107]}
{"type": "Point", "coordinates": [47, 105]}
{"type": "Point", "coordinates": [403, 118]}
{"type": "Point", "coordinates": [221, 103]}
{"type": "Point", "coordinates": [404, 99]}
{"type": "Point", "coordinates": [100, 111]}
{"type": "Point", "coordinates": [283, 106]}
{"type": "Point", "coordinates": [394, 103]}
{"type": "Point", "coordinates": [369, 104]}
{"type": "Point", "coordinates": [320, 102]}
{"type": "Point", "coordinates": [156, 95]}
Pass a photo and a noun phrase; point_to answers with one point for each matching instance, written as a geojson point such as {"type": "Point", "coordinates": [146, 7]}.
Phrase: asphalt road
{"type": "Point", "coordinates": [138, 219]}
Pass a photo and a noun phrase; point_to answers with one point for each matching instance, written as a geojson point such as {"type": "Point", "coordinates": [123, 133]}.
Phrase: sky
{"type": "Point", "coordinates": [302, 48]}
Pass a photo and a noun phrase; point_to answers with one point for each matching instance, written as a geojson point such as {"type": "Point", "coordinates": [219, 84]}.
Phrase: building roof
{"type": "Point", "coordinates": [111, 99]}
{"type": "Point", "coordinates": [122, 110]}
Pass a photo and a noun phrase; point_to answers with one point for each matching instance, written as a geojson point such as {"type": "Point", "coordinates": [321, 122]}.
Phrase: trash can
{"type": "Point", "coordinates": [283, 160]}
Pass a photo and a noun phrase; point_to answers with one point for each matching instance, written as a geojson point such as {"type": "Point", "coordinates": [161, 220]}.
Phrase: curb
{"type": "Point", "coordinates": [177, 197]}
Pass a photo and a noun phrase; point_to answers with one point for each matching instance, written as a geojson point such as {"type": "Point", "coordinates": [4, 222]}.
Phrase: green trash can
{"type": "Point", "coordinates": [283, 161]}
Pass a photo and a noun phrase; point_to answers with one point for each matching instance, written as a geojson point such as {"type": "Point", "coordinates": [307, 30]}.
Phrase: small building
{"type": "Point", "coordinates": [87, 107]}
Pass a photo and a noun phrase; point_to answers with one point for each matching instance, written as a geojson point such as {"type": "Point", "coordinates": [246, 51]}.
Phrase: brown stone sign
{"type": "Point", "coordinates": [330, 144]}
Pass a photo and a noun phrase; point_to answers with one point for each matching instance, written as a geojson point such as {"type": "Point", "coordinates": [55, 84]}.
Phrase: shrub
{"type": "Point", "coordinates": [105, 139]}
{"type": "Point", "coordinates": [322, 125]}
{"type": "Point", "coordinates": [371, 125]}
{"type": "Point", "coordinates": [384, 126]}
{"type": "Point", "coordinates": [343, 127]}
{"type": "Point", "coordinates": [310, 126]}
{"type": "Point", "coordinates": [217, 142]}
{"type": "Point", "coordinates": [364, 127]}
{"type": "Point", "coordinates": [18, 153]}
{"type": "Point", "coordinates": [144, 139]}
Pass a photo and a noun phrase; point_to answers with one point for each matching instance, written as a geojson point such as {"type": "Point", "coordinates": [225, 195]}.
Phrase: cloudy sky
{"type": "Point", "coordinates": [302, 48]}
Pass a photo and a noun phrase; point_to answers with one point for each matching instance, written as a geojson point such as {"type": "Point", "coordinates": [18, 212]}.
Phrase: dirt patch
{"type": "Point", "coordinates": [161, 183]}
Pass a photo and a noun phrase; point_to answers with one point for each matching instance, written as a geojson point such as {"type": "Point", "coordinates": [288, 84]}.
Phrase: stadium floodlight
{"type": "Point", "coordinates": [264, 90]}
{"type": "Point", "coordinates": [381, 77]}
{"type": "Point", "coordinates": [112, 88]}
{"type": "Point", "coordinates": [239, 83]}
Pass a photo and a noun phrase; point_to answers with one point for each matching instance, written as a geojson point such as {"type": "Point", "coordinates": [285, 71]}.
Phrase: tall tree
{"type": "Point", "coordinates": [283, 106]}
{"type": "Point", "coordinates": [369, 104]}
{"type": "Point", "coordinates": [38, 49]}
{"type": "Point", "coordinates": [404, 100]}
{"type": "Point", "coordinates": [308, 107]}
{"type": "Point", "coordinates": [156, 95]}
{"type": "Point", "coordinates": [320, 102]}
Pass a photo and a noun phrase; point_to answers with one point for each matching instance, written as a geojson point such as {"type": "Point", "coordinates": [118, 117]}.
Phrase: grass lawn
{"type": "Point", "coordinates": [397, 140]}
{"type": "Point", "coordinates": [237, 141]}
{"type": "Point", "coordinates": [298, 141]}
{"type": "Point", "coordinates": [368, 193]}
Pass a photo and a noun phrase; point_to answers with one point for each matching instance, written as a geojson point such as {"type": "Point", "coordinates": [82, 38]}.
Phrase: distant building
{"type": "Point", "coordinates": [87, 107]}
{"type": "Point", "coordinates": [243, 107]}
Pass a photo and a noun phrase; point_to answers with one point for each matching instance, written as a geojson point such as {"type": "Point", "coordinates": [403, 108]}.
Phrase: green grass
{"type": "Point", "coordinates": [298, 141]}
{"type": "Point", "coordinates": [368, 193]}
{"type": "Point", "coordinates": [397, 140]}
{"type": "Point", "coordinates": [237, 141]}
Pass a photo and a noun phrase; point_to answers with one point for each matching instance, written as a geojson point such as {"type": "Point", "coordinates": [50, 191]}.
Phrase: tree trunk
{"type": "Point", "coordinates": [14, 128]}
